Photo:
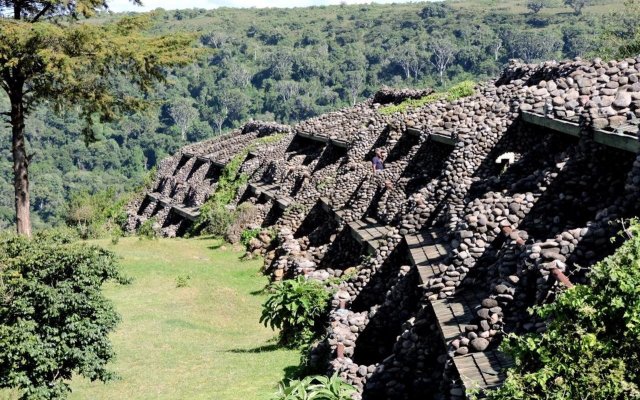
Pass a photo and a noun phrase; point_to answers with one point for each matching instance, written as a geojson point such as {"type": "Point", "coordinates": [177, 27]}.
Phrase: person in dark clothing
{"type": "Point", "coordinates": [377, 162]}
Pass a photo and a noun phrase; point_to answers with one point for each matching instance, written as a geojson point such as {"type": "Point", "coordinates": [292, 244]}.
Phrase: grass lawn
{"type": "Point", "coordinates": [202, 341]}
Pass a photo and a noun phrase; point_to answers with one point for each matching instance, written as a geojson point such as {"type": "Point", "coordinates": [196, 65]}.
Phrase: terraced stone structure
{"type": "Point", "coordinates": [487, 205]}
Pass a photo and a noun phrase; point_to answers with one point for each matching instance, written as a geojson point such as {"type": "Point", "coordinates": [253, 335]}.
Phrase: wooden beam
{"type": "Point", "coordinates": [311, 136]}
{"type": "Point", "coordinates": [186, 213]}
{"type": "Point", "coordinates": [566, 127]}
{"type": "Point", "coordinates": [340, 143]}
{"type": "Point", "coordinates": [443, 138]}
{"type": "Point", "coordinates": [414, 131]}
{"type": "Point", "coordinates": [620, 141]}
{"type": "Point", "coordinates": [617, 140]}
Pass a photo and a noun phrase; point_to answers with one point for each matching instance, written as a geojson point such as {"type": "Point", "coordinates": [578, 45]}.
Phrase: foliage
{"type": "Point", "coordinates": [266, 140]}
{"type": "Point", "coordinates": [317, 387]}
{"type": "Point", "coordinates": [590, 348]}
{"type": "Point", "coordinates": [577, 5]}
{"type": "Point", "coordinates": [215, 216]}
{"type": "Point", "coordinates": [54, 320]}
{"type": "Point", "coordinates": [463, 89]}
{"type": "Point", "coordinates": [95, 215]}
{"type": "Point", "coordinates": [71, 66]}
{"type": "Point", "coordinates": [284, 65]}
{"type": "Point", "coordinates": [182, 281]}
{"type": "Point", "coordinates": [147, 229]}
{"type": "Point", "coordinates": [296, 307]}
{"type": "Point", "coordinates": [249, 234]}
{"type": "Point", "coordinates": [621, 36]}
{"type": "Point", "coordinates": [536, 5]}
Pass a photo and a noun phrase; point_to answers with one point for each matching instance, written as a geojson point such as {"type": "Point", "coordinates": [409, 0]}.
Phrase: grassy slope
{"type": "Point", "coordinates": [196, 342]}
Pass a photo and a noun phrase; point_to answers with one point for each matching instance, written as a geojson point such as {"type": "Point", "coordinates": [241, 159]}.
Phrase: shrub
{"type": "Point", "coordinates": [215, 216]}
{"type": "Point", "coordinates": [244, 215]}
{"type": "Point", "coordinates": [590, 348]}
{"type": "Point", "coordinates": [296, 307]}
{"type": "Point", "coordinates": [247, 235]}
{"type": "Point", "coordinates": [316, 387]}
{"type": "Point", "coordinates": [97, 215]}
{"type": "Point", "coordinates": [147, 230]}
{"type": "Point", "coordinates": [54, 319]}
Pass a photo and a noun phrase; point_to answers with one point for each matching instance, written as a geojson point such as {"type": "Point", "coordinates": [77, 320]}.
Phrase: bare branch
{"type": "Point", "coordinates": [46, 8]}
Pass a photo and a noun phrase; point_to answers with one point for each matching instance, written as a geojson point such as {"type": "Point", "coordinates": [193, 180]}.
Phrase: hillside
{"type": "Point", "coordinates": [287, 65]}
{"type": "Point", "coordinates": [493, 198]}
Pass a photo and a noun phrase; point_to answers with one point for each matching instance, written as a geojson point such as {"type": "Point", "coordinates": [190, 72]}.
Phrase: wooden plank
{"type": "Point", "coordinates": [218, 163]}
{"type": "Point", "coordinates": [186, 213]}
{"type": "Point", "coordinates": [617, 140]}
{"type": "Point", "coordinates": [311, 136]}
{"type": "Point", "coordinates": [340, 143]}
{"type": "Point", "coordinates": [566, 127]}
{"type": "Point", "coordinates": [443, 138]}
{"type": "Point", "coordinates": [414, 131]}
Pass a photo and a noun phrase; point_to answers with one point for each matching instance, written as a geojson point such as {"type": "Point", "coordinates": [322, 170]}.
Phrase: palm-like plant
{"type": "Point", "coordinates": [316, 387]}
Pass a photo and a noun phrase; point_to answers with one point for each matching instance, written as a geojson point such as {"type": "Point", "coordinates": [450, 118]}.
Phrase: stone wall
{"type": "Point", "coordinates": [483, 202]}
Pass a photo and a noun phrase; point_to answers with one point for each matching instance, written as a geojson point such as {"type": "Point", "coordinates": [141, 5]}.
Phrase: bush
{"type": "Point", "coordinates": [590, 348]}
{"type": "Point", "coordinates": [316, 388]}
{"type": "Point", "coordinates": [147, 229]}
{"type": "Point", "coordinates": [244, 215]}
{"type": "Point", "coordinates": [97, 215]}
{"type": "Point", "coordinates": [247, 235]}
{"type": "Point", "coordinates": [182, 281]}
{"type": "Point", "coordinates": [296, 307]}
{"type": "Point", "coordinates": [215, 217]}
{"type": "Point", "coordinates": [54, 319]}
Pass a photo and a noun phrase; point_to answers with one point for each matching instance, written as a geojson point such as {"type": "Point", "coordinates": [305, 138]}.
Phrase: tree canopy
{"type": "Point", "coordinates": [283, 65]}
{"type": "Point", "coordinates": [47, 58]}
{"type": "Point", "coordinates": [54, 319]}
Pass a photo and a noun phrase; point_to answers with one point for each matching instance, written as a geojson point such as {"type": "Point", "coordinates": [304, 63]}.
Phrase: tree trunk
{"type": "Point", "coordinates": [20, 164]}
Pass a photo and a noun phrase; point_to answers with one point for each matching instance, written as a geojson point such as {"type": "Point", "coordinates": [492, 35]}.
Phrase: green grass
{"type": "Point", "coordinates": [202, 341]}
{"type": "Point", "coordinates": [462, 89]}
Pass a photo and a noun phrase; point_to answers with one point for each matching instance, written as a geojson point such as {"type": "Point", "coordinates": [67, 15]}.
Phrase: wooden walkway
{"type": "Point", "coordinates": [479, 370]}
{"type": "Point", "coordinates": [427, 253]}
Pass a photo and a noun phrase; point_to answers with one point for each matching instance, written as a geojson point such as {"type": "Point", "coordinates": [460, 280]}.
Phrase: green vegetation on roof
{"type": "Point", "coordinates": [462, 89]}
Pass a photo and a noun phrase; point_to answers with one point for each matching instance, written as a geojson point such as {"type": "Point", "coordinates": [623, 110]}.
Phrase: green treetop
{"type": "Point", "coordinates": [47, 57]}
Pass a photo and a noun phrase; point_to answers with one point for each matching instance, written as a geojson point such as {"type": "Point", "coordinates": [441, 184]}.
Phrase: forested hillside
{"type": "Point", "coordinates": [291, 64]}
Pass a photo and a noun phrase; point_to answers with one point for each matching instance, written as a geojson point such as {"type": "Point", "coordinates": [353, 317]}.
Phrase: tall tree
{"type": "Point", "coordinates": [72, 66]}
{"type": "Point", "coordinates": [444, 52]}
{"type": "Point", "coordinates": [183, 115]}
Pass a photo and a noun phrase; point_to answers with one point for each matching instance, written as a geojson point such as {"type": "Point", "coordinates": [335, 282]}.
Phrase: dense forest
{"type": "Point", "coordinates": [290, 64]}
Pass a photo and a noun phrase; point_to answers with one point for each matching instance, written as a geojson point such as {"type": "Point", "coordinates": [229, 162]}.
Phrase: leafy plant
{"type": "Point", "coordinates": [247, 235]}
{"type": "Point", "coordinates": [590, 348]}
{"type": "Point", "coordinates": [146, 230]}
{"type": "Point", "coordinates": [97, 215]}
{"type": "Point", "coordinates": [54, 320]}
{"type": "Point", "coordinates": [215, 217]}
{"type": "Point", "coordinates": [317, 387]}
{"type": "Point", "coordinates": [296, 307]}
